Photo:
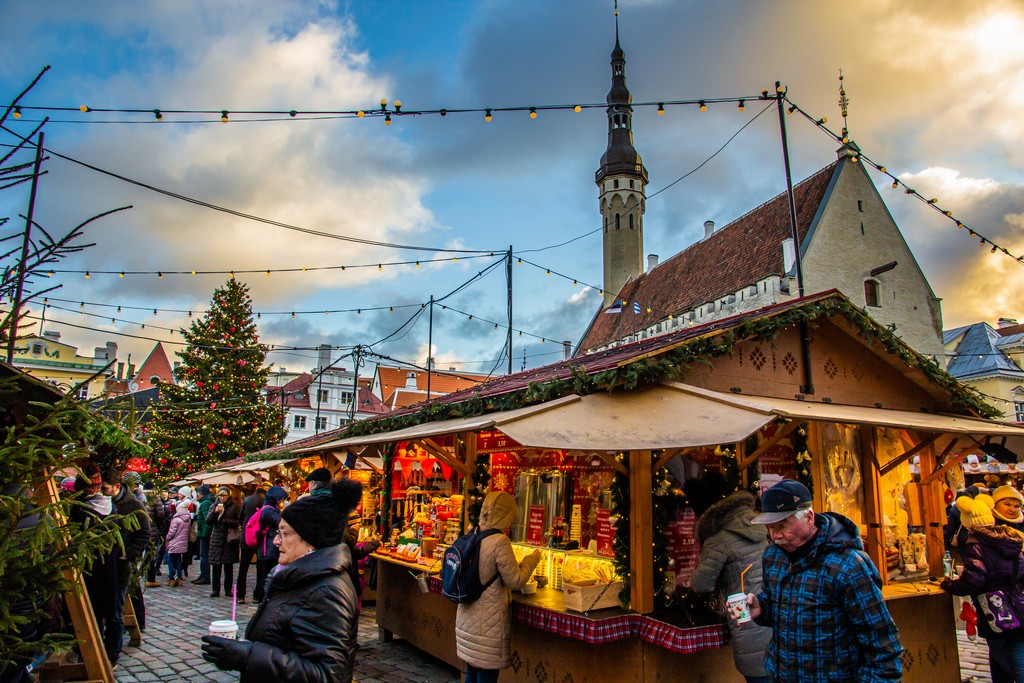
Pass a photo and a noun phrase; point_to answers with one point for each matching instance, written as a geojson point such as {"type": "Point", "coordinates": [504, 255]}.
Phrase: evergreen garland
{"type": "Point", "coordinates": [664, 504]}
{"type": "Point", "coordinates": [620, 544]}
{"type": "Point", "coordinates": [387, 489]}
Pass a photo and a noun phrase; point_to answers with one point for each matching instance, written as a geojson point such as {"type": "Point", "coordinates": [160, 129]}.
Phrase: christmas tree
{"type": "Point", "coordinates": [216, 412]}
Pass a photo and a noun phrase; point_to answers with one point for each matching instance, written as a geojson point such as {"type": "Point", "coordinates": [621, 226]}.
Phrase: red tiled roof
{"type": "Point", "coordinates": [369, 403]}
{"type": "Point", "coordinates": [392, 378]}
{"type": "Point", "coordinates": [738, 255]}
{"type": "Point", "coordinates": [291, 392]}
{"type": "Point", "coordinates": [1010, 329]}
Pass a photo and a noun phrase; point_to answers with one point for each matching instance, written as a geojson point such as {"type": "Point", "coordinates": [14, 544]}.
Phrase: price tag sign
{"type": "Point", "coordinates": [535, 525]}
{"type": "Point", "coordinates": [684, 545]}
{"type": "Point", "coordinates": [605, 534]}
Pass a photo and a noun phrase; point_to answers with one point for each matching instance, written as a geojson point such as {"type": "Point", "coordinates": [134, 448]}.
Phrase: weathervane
{"type": "Point", "coordinates": [844, 104]}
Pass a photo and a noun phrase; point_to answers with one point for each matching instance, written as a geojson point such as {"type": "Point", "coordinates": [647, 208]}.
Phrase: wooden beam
{"type": "Point", "coordinates": [610, 459]}
{"type": "Point", "coordinates": [781, 433]}
{"type": "Point", "coordinates": [873, 514]}
{"type": "Point", "coordinates": [444, 456]}
{"type": "Point", "coordinates": [668, 455]}
{"type": "Point", "coordinates": [952, 462]}
{"type": "Point", "coordinates": [641, 533]}
{"type": "Point", "coordinates": [907, 455]}
{"type": "Point", "coordinates": [933, 513]}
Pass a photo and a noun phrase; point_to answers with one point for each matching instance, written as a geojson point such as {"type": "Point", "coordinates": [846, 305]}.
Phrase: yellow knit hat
{"type": "Point", "coordinates": [976, 512]}
{"type": "Point", "coordinates": [1002, 493]}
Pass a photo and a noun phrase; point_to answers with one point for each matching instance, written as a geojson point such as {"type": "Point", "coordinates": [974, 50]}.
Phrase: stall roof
{"type": "Point", "coordinates": [227, 477]}
{"type": "Point", "coordinates": [260, 465]}
{"type": "Point", "coordinates": [882, 417]}
{"type": "Point", "coordinates": [642, 419]}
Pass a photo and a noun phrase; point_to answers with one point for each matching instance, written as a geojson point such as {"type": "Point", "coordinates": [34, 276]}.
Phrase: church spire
{"type": "Point", "coordinates": [621, 180]}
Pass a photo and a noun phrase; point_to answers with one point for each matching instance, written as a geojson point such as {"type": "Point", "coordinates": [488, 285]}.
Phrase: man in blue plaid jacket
{"type": "Point", "coordinates": [821, 596]}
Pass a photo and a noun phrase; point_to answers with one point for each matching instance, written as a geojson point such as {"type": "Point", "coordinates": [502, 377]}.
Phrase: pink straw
{"type": "Point", "coordinates": [234, 601]}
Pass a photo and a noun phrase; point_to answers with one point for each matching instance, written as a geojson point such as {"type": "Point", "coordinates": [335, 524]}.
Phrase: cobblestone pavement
{"type": "Point", "coordinates": [973, 658]}
{"type": "Point", "coordinates": [177, 617]}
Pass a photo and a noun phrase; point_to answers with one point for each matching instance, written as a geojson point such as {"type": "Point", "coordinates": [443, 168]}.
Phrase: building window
{"type": "Point", "coordinates": [1018, 410]}
{"type": "Point", "coordinates": [321, 423]}
{"type": "Point", "coordinates": [323, 395]}
{"type": "Point", "coordinates": [83, 393]}
{"type": "Point", "coordinates": [871, 297]}
{"type": "Point", "coordinates": [299, 422]}
{"type": "Point", "coordinates": [346, 397]}
{"type": "Point", "coordinates": [860, 205]}
{"type": "Point", "coordinates": [615, 183]}
{"type": "Point", "coordinates": [630, 221]}
{"type": "Point", "coordinates": [618, 221]}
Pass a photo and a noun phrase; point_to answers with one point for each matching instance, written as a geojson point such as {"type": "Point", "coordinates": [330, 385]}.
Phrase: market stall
{"type": "Point", "coordinates": [606, 454]}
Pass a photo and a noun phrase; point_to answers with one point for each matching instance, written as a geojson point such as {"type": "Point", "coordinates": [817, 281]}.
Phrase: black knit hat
{"type": "Point", "coordinates": [321, 520]}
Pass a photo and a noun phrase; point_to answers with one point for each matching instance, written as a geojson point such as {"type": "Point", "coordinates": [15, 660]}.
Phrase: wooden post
{"type": "Point", "coordinates": [873, 515]}
{"type": "Point", "coordinates": [131, 622]}
{"type": "Point", "coordinates": [641, 533]}
{"type": "Point", "coordinates": [932, 509]}
{"type": "Point", "coordinates": [815, 445]}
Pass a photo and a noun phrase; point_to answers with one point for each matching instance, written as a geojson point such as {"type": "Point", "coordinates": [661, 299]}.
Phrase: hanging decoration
{"type": "Point", "coordinates": [481, 480]}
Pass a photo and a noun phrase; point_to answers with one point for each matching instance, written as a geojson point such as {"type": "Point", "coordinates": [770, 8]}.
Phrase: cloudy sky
{"type": "Point", "coordinates": [935, 96]}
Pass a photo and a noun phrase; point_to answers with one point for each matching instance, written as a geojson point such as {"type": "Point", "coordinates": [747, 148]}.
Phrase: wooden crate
{"type": "Point", "coordinates": [590, 595]}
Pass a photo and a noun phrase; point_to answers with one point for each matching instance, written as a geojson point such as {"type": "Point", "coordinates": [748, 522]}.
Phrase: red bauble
{"type": "Point", "coordinates": [166, 446]}
{"type": "Point", "coordinates": [242, 363]}
{"type": "Point", "coordinates": [211, 446]}
{"type": "Point", "coordinates": [232, 328]}
{"type": "Point", "coordinates": [225, 431]}
{"type": "Point", "coordinates": [213, 405]}
{"type": "Point", "coordinates": [199, 384]}
{"type": "Point", "coordinates": [216, 387]}
{"type": "Point", "coordinates": [163, 461]}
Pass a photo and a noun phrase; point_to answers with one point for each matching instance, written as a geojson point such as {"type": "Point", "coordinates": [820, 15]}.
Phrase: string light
{"type": "Point", "coordinates": [87, 276]}
{"type": "Point", "coordinates": [84, 109]}
{"type": "Point", "coordinates": [661, 108]}
{"type": "Point", "coordinates": [703, 106]}
{"type": "Point", "coordinates": [577, 109]}
{"type": "Point", "coordinates": [741, 106]}
{"type": "Point", "coordinates": [121, 274]}
{"type": "Point", "coordinates": [360, 113]}
{"type": "Point", "coordinates": [487, 116]}
{"type": "Point", "coordinates": [533, 112]}
{"type": "Point", "coordinates": [160, 275]}
{"type": "Point", "coordinates": [387, 119]}
{"type": "Point", "coordinates": [17, 112]}
{"type": "Point", "coordinates": [293, 113]}
{"type": "Point", "coordinates": [158, 114]}
{"type": "Point", "coordinates": [224, 116]}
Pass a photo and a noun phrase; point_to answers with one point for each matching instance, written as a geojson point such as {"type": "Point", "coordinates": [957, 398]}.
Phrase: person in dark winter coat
{"type": "Point", "coordinates": [1007, 502]}
{"type": "Point", "coordinates": [101, 579]}
{"type": "Point", "coordinates": [305, 629]}
{"type": "Point", "coordinates": [993, 561]}
{"type": "Point", "coordinates": [266, 549]}
{"type": "Point", "coordinates": [821, 596]}
{"type": "Point", "coordinates": [224, 518]}
{"type": "Point", "coordinates": [247, 553]}
{"type": "Point", "coordinates": [204, 503]}
{"type": "Point", "coordinates": [729, 544]}
{"type": "Point", "coordinates": [160, 512]}
{"type": "Point", "coordinates": [135, 538]}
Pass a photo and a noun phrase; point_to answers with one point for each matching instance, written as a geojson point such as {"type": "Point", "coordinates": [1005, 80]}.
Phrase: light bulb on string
{"type": "Point", "coordinates": [661, 108]}
{"type": "Point", "coordinates": [224, 116]}
{"type": "Point", "coordinates": [160, 275]}
{"type": "Point", "coordinates": [487, 115]}
{"type": "Point", "coordinates": [383, 104]}
{"type": "Point", "coordinates": [573, 283]}
{"type": "Point", "coordinates": [380, 267]}
{"type": "Point", "coordinates": [293, 113]}
{"type": "Point", "coordinates": [118, 309]}
{"type": "Point", "coordinates": [17, 113]}
{"type": "Point", "coordinates": [121, 274]}
{"type": "Point", "coordinates": [895, 184]}
{"type": "Point", "coordinates": [158, 115]}
{"type": "Point", "coordinates": [577, 109]}
{"type": "Point", "coordinates": [84, 109]}
{"type": "Point", "coordinates": [87, 275]}
{"type": "Point", "coordinates": [549, 273]}
{"type": "Point", "coordinates": [398, 106]}
{"type": "Point", "coordinates": [49, 273]}
{"type": "Point", "coordinates": [360, 113]}
{"type": "Point", "coordinates": [703, 106]}
{"type": "Point", "coordinates": [741, 106]}
{"type": "Point", "coordinates": [417, 264]}
{"type": "Point", "coordinates": [533, 112]}
{"type": "Point", "coordinates": [293, 314]}
{"type": "Point", "coordinates": [387, 119]}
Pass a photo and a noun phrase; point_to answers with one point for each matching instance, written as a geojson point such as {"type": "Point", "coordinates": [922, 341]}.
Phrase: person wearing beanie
{"type": "Point", "coordinates": [307, 624]}
{"type": "Point", "coordinates": [224, 520]}
{"type": "Point", "coordinates": [483, 628]}
{"type": "Point", "coordinates": [252, 504]}
{"type": "Point", "coordinates": [266, 550]}
{"type": "Point", "coordinates": [955, 533]}
{"type": "Point", "coordinates": [319, 481]}
{"type": "Point", "coordinates": [177, 543]}
{"type": "Point", "coordinates": [203, 531]}
{"type": "Point", "coordinates": [993, 557]}
{"type": "Point", "coordinates": [1006, 507]}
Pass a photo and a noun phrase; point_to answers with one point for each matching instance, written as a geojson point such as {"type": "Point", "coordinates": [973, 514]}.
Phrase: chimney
{"type": "Point", "coordinates": [652, 260]}
{"type": "Point", "coordinates": [131, 371]}
{"type": "Point", "coordinates": [1006, 322]}
{"type": "Point", "coordinates": [410, 380]}
{"type": "Point", "coordinates": [120, 370]}
{"type": "Point", "coordinates": [567, 345]}
{"type": "Point", "coordinates": [323, 356]}
{"type": "Point", "coordinates": [709, 228]}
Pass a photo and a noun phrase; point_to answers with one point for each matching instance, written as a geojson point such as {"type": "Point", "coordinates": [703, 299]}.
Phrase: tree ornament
{"type": "Point", "coordinates": [211, 446]}
{"type": "Point", "coordinates": [225, 431]}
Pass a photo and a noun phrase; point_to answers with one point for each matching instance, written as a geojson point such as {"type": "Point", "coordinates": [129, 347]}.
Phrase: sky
{"type": "Point", "coordinates": [934, 94]}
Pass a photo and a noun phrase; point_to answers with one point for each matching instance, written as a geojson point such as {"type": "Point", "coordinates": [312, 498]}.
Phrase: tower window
{"type": "Point", "coordinates": [871, 295]}
{"type": "Point", "coordinates": [617, 70]}
{"type": "Point", "coordinates": [630, 221]}
{"type": "Point", "coordinates": [862, 228]}
{"type": "Point", "coordinates": [606, 223]}
{"type": "Point", "coordinates": [615, 183]}
{"type": "Point", "coordinates": [618, 221]}
{"type": "Point", "coordinates": [860, 206]}
{"type": "Point", "coordinates": [631, 183]}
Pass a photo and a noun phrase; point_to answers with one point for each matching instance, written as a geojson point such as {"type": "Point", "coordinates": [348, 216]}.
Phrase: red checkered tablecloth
{"type": "Point", "coordinates": [596, 631]}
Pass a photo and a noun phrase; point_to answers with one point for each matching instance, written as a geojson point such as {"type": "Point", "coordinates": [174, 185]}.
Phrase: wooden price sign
{"type": "Point", "coordinates": [683, 546]}
{"type": "Point", "coordinates": [535, 525]}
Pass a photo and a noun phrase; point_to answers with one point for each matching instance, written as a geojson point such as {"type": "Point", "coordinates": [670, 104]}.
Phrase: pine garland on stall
{"type": "Point", "coordinates": [620, 544]}
{"type": "Point", "coordinates": [387, 489]}
{"type": "Point", "coordinates": [664, 504]}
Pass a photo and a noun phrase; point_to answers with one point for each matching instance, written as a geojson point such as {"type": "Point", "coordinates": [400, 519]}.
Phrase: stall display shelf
{"type": "Point", "coordinates": [555, 563]}
{"type": "Point", "coordinates": [429, 566]}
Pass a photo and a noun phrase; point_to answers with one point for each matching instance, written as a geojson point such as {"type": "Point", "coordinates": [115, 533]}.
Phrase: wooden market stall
{"type": "Point", "coordinates": [752, 396]}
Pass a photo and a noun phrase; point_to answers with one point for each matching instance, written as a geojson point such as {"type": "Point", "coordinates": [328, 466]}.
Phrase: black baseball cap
{"type": "Point", "coordinates": [782, 500]}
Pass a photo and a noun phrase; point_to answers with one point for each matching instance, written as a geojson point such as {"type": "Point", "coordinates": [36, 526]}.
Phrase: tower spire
{"type": "Point", "coordinates": [844, 106]}
{"type": "Point", "coordinates": [621, 180]}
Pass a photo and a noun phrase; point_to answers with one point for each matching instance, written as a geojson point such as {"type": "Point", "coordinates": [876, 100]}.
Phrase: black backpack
{"type": "Point", "coordinates": [460, 568]}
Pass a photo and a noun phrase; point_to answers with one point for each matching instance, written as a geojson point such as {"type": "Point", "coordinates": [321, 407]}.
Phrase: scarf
{"type": "Point", "coordinates": [101, 504]}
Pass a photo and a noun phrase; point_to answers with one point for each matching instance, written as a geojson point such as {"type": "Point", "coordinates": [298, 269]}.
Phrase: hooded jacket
{"type": "Point", "coordinates": [829, 620]}
{"type": "Point", "coordinates": [177, 532]}
{"type": "Point", "coordinates": [729, 543]}
{"type": "Point", "coordinates": [304, 631]}
{"type": "Point", "coordinates": [992, 561]}
{"type": "Point", "coordinates": [135, 541]}
{"type": "Point", "coordinates": [270, 521]}
{"type": "Point", "coordinates": [220, 523]}
{"type": "Point", "coordinates": [483, 628]}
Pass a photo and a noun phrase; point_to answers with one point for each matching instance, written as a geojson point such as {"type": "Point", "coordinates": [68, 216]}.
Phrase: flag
{"type": "Point", "coordinates": [614, 308]}
{"type": "Point", "coordinates": [636, 307]}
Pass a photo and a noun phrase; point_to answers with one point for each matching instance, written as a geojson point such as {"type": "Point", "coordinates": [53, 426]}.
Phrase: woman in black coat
{"type": "Point", "coordinates": [224, 519]}
{"type": "Point", "coordinates": [304, 631]}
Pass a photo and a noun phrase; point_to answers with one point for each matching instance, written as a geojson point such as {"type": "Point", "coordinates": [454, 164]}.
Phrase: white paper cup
{"type": "Point", "coordinates": [737, 606]}
{"type": "Point", "coordinates": [224, 628]}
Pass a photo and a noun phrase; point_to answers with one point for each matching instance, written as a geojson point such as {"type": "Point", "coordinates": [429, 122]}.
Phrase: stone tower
{"type": "Point", "coordinates": [621, 181]}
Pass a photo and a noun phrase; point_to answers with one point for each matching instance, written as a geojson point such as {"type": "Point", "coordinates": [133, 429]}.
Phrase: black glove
{"type": "Point", "coordinates": [225, 653]}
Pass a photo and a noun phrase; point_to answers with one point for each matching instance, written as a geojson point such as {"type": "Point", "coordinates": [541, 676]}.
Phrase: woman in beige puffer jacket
{"type": "Point", "coordinates": [483, 628]}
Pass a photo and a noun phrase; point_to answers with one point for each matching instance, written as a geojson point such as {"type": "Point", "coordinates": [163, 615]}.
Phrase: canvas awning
{"type": "Point", "coordinates": [225, 477]}
{"type": "Point", "coordinates": [659, 417]}
{"type": "Point", "coordinates": [259, 466]}
{"type": "Point", "coordinates": [881, 417]}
